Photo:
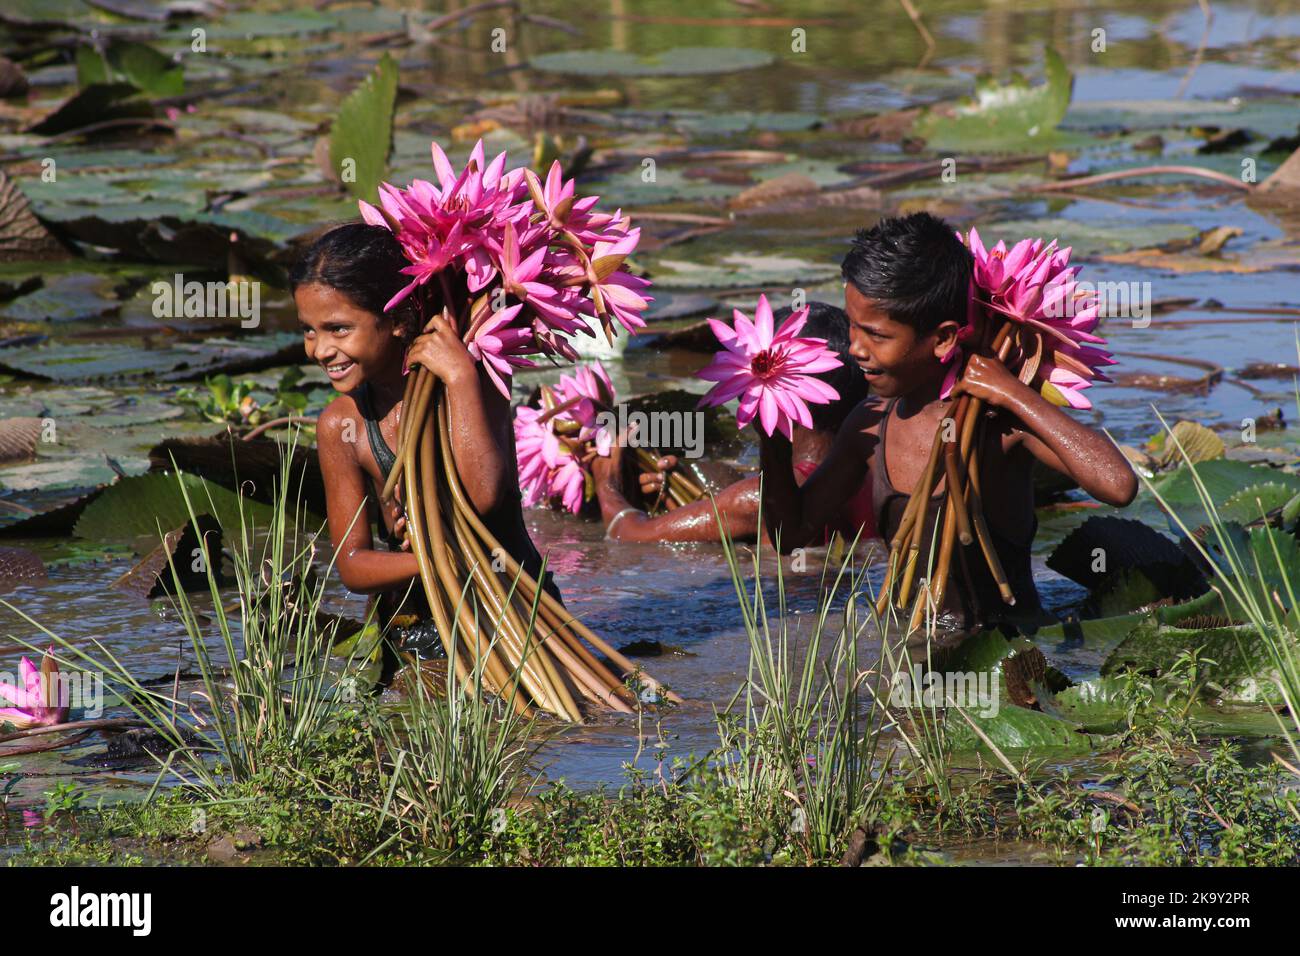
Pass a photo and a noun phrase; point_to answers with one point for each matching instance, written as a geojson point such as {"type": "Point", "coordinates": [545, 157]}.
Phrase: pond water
{"type": "Point", "coordinates": [279, 76]}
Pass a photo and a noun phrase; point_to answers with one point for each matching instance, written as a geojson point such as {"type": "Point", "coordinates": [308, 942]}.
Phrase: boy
{"type": "Point", "coordinates": [906, 286]}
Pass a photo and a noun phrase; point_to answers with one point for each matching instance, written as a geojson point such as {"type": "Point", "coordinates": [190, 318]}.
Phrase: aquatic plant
{"type": "Point", "coordinates": [487, 243]}
{"type": "Point", "coordinates": [270, 694]}
{"type": "Point", "coordinates": [800, 739]}
{"type": "Point", "coordinates": [36, 703]}
{"type": "Point", "coordinates": [772, 372]}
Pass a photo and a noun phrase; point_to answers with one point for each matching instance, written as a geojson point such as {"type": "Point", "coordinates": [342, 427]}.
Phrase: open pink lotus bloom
{"type": "Point", "coordinates": [1033, 284]}
{"type": "Point", "coordinates": [771, 372]}
{"type": "Point", "coordinates": [32, 702]}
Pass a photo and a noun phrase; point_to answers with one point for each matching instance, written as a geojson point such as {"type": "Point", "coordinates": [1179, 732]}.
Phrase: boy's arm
{"type": "Point", "coordinates": [362, 569]}
{"type": "Point", "coordinates": [478, 417]}
{"type": "Point", "coordinates": [1052, 436]}
{"type": "Point", "coordinates": [796, 515]}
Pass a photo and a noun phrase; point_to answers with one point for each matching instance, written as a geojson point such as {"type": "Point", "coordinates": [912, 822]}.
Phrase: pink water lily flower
{"type": "Point", "coordinates": [1034, 285]}
{"type": "Point", "coordinates": [33, 706]}
{"type": "Point", "coordinates": [501, 346]}
{"type": "Point", "coordinates": [771, 372]}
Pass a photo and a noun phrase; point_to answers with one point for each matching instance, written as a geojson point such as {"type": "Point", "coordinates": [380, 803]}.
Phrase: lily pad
{"type": "Point", "coordinates": [679, 61]}
{"type": "Point", "coordinates": [146, 506]}
{"type": "Point", "coordinates": [64, 298]}
{"type": "Point", "coordinates": [361, 138]}
{"type": "Point", "coordinates": [1014, 115]}
{"type": "Point", "coordinates": [741, 270]}
{"type": "Point", "coordinates": [70, 362]}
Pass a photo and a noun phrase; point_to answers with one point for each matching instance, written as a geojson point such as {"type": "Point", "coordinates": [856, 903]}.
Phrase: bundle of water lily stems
{"type": "Point", "coordinates": [1026, 309]}
{"type": "Point", "coordinates": [518, 263]}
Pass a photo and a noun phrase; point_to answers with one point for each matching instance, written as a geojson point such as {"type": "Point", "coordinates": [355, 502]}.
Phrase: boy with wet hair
{"type": "Point", "coordinates": [907, 283]}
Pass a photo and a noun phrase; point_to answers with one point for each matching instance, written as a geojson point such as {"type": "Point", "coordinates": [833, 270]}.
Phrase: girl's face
{"type": "Point", "coordinates": [894, 358]}
{"type": "Point", "coordinates": [350, 343]}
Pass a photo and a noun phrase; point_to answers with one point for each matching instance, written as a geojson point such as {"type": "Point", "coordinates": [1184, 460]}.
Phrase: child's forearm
{"type": "Point", "coordinates": [367, 571]}
{"type": "Point", "coordinates": [478, 449]}
{"type": "Point", "coordinates": [1087, 456]}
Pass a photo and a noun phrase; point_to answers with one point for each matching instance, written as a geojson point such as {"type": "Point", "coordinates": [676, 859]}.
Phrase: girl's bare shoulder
{"type": "Point", "coordinates": [340, 422]}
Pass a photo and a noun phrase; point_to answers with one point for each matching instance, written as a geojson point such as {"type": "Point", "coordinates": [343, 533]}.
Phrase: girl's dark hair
{"type": "Point", "coordinates": [832, 324]}
{"type": "Point", "coordinates": [364, 263]}
{"type": "Point", "coordinates": [915, 267]}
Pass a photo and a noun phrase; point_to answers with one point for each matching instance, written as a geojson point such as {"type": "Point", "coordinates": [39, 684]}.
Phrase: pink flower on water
{"type": "Point", "coordinates": [771, 372]}
{"type": "Point", "coordinates": [32, 702]}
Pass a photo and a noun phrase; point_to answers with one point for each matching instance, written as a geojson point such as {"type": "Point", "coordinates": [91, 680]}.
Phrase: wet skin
{"type": "Point", "coordinates": [900, 363]}
{"type": "Point", "coordinates": [356, 346]}
{"type": "Point", "coordinates": [737, 504]}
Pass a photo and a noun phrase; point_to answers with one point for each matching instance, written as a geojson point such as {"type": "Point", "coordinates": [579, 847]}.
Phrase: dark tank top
{"type": "Point", "coordinates": [966, 606]}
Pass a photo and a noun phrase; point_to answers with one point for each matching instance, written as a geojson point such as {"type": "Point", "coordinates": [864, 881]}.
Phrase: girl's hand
{"type": "Point", "coordinates": [399, 530]}
{"type": "Point", "coordinates": [440, 350]}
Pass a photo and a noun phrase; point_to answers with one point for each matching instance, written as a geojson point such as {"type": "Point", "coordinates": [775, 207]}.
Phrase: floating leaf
{"type": "Point", "coordinates": [362, 134]}
{"type": "Point", "coordinates": [145, 506]}
{"type": "Point", "coordinates": [1014, 115]}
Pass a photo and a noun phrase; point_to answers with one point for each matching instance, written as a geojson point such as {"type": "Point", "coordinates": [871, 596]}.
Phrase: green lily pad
{"type": "Point", "coordinates": [248, 25]}
{"type": "Point", "coordinates": [136, 63]}
{"type": "Point", "coordinates": [362, 134]}
{"type": "Point", "coordinates": [1092, 237]}
{"type": "Point", "coordinates": [679, 61]}
{"type": "Point", "coordinates": [147, 506]}
{"type": "Point", "coordinates": [64, 299]}
{"type": "Point", "coordinates": [66, 472]}
{"type": "Point", "coordinates": [1015, 728]}
{"type": "Point", "coordinates": [115, 360]}
{"type": "Point", "coordinates": [1011, 116]}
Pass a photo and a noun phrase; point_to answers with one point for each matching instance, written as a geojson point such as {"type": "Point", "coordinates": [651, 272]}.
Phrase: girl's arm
{"type": "Point", "coordinates": [482, 431]}
{"type": "Point", "coordinates": [737, 505]}
{"type": "Point", "coordinates": [362, 569]}
{"type": "Point", "coordinates": [1052, 436]}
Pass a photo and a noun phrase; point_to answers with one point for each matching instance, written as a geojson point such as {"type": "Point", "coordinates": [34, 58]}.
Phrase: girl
{"type": "Point", "coordinates": [340, 285]}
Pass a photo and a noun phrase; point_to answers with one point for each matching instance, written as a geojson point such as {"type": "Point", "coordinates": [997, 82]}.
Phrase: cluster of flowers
{"type": "Point", "coordinates": [772, 372]}
{"type": "Point", "coordinates": [486, 231]}
{"type": "Point", "coordinates": [1034, 285]}
{"type": "Point", "coordinates": [556, 444]}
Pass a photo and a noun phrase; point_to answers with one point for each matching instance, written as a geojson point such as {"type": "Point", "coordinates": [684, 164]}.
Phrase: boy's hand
{"type": "Point", "coordinates": [440, 350]}
{"type": "Point", "coordinates": [988, 379]}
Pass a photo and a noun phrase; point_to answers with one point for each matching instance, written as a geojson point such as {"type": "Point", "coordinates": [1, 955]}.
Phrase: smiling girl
{"type": "Point", "coordinates": [340, 285]}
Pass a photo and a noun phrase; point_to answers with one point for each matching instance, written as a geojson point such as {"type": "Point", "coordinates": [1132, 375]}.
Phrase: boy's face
{"type": "Point", "coordinates": [350, 343]}
{"type": "Point", "coordinates": [894, 358]}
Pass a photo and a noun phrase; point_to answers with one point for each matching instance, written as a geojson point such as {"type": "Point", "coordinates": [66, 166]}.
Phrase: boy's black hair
{"type": "Point", "coordinates": [915, 267]}
{"type": "Point", "coordinates": [829, 322]}
{"type": "Point", "coordinates": [364, 263]}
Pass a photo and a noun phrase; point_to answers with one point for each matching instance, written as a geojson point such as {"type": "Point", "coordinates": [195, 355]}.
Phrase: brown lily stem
{"type": "Point", "coordinates": [952, 463]}
{"type": "Point", "coordinates": [535, 667]}
{"type": "Point", "coordinates": [937, 585]}
{"type": "Point", "coordinates": [613, 687]}
{"type": "Point", "coordinates": [912, 527]}
{"type": "Point", "coordinates": [498, 677]}
{"type": "Point", "coordinates": [107, 723]}
{"type": "Point", "coordinates": [535, 663]}
{"type": "Point", "coordinates": [532, 590]}
{"type": "Point", "coordinates": [982, 531]}
{"type": "Point", "coordinates": [428, 576]}
{"type": "Point", "coordinates": [277, 422]}
{"type": "Point", "coordinates": [410, 412]}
